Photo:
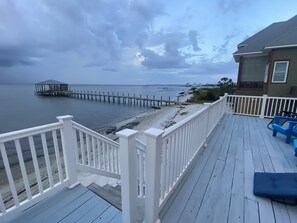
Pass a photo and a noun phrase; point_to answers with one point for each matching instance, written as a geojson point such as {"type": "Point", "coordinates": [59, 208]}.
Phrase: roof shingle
{"type": "Point", "coordinates": [277, 35]}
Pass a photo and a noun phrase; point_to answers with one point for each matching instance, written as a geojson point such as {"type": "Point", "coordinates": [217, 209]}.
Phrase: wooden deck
{"type": "Point", "coordinates": [76, 205]}
{"type": "Point", "coordinates": [219, 188]}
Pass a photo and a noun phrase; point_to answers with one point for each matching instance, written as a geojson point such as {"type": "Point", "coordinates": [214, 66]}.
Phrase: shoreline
{"type": "Point", "coordinates": [162, 118]}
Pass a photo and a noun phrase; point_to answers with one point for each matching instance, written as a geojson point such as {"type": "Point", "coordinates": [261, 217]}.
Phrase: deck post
{"type": "Point", "coordinates": [225, 103]}
{"type": "Point", "coordinates": [264, 102]}
{"type": "Point", "coordinates": [153, 173]}
{"type": "Point", "coordinates": [128, 164]}
{"type": "Point", "coordinates": [68, 144]}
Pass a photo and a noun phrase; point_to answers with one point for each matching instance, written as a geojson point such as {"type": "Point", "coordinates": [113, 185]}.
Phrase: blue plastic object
{"type": "Point", "coordinates": [295, 146]}
{"type": "Point", "coordinates": [287, 131]}
{"type": "Point", "coordinates": [276, 185]}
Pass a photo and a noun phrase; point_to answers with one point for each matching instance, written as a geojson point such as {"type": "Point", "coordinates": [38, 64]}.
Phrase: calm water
{"type": "Point", "coordinates": [20, 108]}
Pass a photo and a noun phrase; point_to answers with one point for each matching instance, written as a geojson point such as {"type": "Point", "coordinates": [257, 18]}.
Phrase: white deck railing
{"type": "Point", "coordinates": [262, 106]}
{"type": "Point", "coordinates": [45, 178]}
{"type": "Point", "coordinates": [164, 162]}
{"type": "Point", "coordinates": [54, 153]}
{"type": "Point", "coordinates": [96, 153]}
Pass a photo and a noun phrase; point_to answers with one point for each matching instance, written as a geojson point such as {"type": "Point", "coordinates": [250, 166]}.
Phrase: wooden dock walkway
{"type": "Point", "coordinates": [76, 205]}
{"type": "Point", "coordinates": [115, 98]}
{"type": "Point", "coordinates": [219, 188]}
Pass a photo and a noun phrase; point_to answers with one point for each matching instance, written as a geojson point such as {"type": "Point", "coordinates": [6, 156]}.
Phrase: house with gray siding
{"type": "Point", "coordinates": [268, 61]}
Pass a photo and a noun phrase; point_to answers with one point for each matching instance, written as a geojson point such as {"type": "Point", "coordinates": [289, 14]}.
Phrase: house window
{"type": "Point", "coordinates": [280, 72]}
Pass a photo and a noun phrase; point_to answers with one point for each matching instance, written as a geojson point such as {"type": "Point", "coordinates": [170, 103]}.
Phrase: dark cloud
{"type": "Point", "coordinates": [170, 60]}
{"type": "Point", "coordinates": [173, 56]}
{"type": "Point", "coordinates": [193, 40]}
{"type": "Point", "coordinates": [96, 30]}
{"type": "Point", "coordinates": [162, 37]}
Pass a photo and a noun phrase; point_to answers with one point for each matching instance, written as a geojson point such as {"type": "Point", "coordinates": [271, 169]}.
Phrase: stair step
{"type": "Point", "coordinates": [110, 194]}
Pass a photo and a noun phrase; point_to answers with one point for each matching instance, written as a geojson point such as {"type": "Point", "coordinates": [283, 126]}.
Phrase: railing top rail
{"type": "Point", "coordinates": [269, 97]}
{"type": "Point", "coordinates": [286, 98]}
{"type": "Point", "coordinates": [244, 96]}
{"type": "Point", "coordinates": [9, 136]}
{"type": "Point", "coordinates": [93, 133]}
{"type": "Point", "coordinates": [182, 123]}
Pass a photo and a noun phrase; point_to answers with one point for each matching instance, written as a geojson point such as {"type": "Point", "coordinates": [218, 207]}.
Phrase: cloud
{"type": "Point", "coordinates": [170, 56]}
{"type": "Point", "coordinates": [170, 50]}
{"type": "Point", "coordinates": [110, 69]}
{"type": "Point", "coordinates": [170, 60]}
{"type": "Point", "coordinates": [224, 47]}
{"type": "Point", "coordinates": [210, 67]}
{"type": "Point", "coordinates": [97, 30]}
{"type": "Point", "coordinates": [193, 40]}
{"type": "Point", "coordinates": [231, 5]}
{"type": "Point", "coordinates": [147, 9]}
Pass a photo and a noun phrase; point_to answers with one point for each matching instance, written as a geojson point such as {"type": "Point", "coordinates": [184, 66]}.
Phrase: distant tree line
{"type": "Point", "coordinates": [201, 95]}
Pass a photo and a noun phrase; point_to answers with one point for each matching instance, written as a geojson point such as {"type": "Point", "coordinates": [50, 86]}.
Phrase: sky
{"type": "Point", "coordinates": [129, 41]}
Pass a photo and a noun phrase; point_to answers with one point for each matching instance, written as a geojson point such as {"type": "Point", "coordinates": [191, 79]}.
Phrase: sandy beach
{"type": "Point", "coordinates": [161, 118]}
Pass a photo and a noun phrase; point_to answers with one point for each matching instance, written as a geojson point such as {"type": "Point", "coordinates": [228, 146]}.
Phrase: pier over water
{"type": "Point", "coordinates": [60, 89]}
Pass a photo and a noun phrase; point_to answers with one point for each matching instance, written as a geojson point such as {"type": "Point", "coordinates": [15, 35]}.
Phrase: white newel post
{"type": "Point", "coordinates": [225, 102]}
{"type": "Point", "coordinates": [264, 101]}
{"type": "Point", "coordinates": [153, 174]}
{"type": "Point", "coordinates": [128, 165]}
{"type": "Point", "coordinates": [68, 144]}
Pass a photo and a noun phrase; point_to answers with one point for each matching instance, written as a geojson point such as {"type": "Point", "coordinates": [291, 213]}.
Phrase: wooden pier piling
{"type": "Point", "coordinates": [112, 97]}
{"type": "Point", "coordinates": [57, 88]}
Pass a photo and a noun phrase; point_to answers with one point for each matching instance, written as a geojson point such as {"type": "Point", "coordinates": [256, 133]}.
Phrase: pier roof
{"type": "Point", "coordinates": [54, 82]}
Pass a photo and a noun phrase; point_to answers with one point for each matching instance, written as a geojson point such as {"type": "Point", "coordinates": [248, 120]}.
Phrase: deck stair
{"type": "Point", "coordinates": [109, 193]}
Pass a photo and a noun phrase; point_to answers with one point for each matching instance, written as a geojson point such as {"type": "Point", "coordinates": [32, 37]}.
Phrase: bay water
{"type": "Point", "coordinates": [20, 108]}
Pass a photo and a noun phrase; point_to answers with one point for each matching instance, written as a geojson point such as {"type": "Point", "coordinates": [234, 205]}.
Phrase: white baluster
{"type": "Point", "coordinates": [9, 175]}
{"type": "Point", "coordinates": [23, 169]}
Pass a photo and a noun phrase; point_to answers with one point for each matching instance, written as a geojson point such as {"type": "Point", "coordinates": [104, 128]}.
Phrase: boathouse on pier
{"type": "Point", "coordinates": [51, 88]}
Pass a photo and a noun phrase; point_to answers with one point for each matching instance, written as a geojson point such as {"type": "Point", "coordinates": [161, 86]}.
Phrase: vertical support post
{"type": "Point", "coordinates": [128, 164]}
{"type": "Point", "coordinates": [225, 102]}
{"type": "Point", "coordinates": [264, 102]}
{"type": "Point", "coordinates": [68, 144]}
{"type": "Point", "coordinates": [153, 174]}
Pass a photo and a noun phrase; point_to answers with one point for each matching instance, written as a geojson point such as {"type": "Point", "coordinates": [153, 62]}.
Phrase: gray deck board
{"type": "Point", "coordinates": [207, 175]}
{"type": "Point", "coordinates": [108, 215]}
{"type": "Point", "coordinates": [76, 205]}
{"type": "Point", "coordinates": [236, 210]}
{"type": "Point", "coordinates": [219, 188]}
{"type": "Point", "coordinates": [204, 170]}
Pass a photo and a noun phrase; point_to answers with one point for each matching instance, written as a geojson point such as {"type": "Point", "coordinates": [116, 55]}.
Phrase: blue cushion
{"type": "Point", "coordinates": [276, 185]}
